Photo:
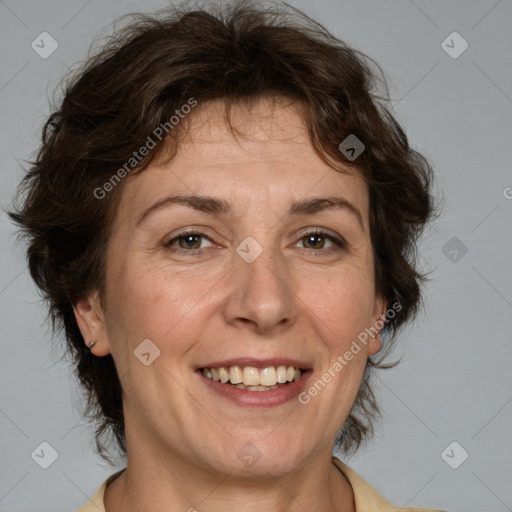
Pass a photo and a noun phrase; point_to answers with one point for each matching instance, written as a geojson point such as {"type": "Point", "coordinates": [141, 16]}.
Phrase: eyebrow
{"type": "Point", "coordinates": [206, 204]}
{"type": "Point", "coordinates": [215, 206]}
{"type": "Point", "coordinates": [318, 204]}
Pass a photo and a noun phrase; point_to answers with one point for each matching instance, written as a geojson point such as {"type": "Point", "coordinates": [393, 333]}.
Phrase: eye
{"type": "Point", "coordinates": [318, 240]}
{"type": "Point", "coordinates": [191, 242]}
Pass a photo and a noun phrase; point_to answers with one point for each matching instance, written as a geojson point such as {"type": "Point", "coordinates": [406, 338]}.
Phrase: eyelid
{"type": "Point", "coordinates": [338, 241]}
{"type": "Point", "coordinates": [319, 231]}
{"type": "Point", "coordinates": [168, 241]}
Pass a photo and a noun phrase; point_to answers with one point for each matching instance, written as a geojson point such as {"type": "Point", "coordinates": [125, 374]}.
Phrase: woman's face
{"type": "Point", "coordinates": [248, 269]}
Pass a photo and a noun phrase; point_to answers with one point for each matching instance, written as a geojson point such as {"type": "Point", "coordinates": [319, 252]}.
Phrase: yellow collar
{"type": "Point", "coordinates": [366, 498]}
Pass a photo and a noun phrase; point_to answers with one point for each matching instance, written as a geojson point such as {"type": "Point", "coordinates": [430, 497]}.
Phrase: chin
{"type": "Point", "coordinates": [263, 455]}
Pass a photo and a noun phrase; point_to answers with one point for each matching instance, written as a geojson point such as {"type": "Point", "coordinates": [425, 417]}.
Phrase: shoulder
{"type": "Point", "coordinates": [96, 501]}
{"type": "Point", "coordinates": [368, 499]}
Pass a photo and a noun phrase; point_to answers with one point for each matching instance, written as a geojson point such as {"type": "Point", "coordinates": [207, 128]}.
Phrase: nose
{"type": "Point", "coordinates": [261, 297]}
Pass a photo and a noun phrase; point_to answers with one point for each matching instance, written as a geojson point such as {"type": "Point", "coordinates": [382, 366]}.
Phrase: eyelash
{"type": "Point", "coordinates": [339, 242]}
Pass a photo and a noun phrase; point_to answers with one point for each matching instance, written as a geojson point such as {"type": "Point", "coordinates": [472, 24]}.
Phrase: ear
{"type": "Point", "coordinates": [91, 321]}
{"type": "Point", "coordinates": [378, 321]}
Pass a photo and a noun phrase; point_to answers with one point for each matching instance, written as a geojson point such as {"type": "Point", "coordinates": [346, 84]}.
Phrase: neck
{"type": "Point", "coordinates": [150, 484]}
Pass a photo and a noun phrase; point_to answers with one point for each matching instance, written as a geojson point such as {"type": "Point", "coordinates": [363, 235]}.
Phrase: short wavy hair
{"type": "Point", "coordinates": [135, 81]}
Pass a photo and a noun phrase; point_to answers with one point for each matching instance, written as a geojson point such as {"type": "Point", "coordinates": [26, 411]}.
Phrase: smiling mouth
{"type": "Point", "coordinates": [250, 378]}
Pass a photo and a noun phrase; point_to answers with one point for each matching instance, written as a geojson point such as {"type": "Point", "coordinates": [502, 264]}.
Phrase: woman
{"type": "Point", "coordinates": [222, 217]}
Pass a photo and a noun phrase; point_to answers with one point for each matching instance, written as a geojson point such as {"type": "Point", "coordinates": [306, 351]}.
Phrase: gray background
{"type": "Point", "coordinates": [454, 382]}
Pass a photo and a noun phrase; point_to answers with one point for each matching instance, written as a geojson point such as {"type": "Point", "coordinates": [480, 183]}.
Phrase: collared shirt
{"type": "Point", "coordinates": [367, 499]}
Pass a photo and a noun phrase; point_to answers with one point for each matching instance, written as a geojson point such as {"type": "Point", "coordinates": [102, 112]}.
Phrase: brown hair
{"type": "Point", "coordinates": [135, 82]}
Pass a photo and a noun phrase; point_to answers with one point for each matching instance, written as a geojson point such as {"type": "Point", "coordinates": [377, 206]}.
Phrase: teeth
{"type": "Point", "coordinates": [268, 376]}
{"type": "Point", "coordinates": [251, 376]}
{"type": "Point", "coordinates": [223, 374]}
{"type": "Point", "coordinates": [235, 375]}
{"type": "Point", "coordinates": [256, 388]}
{"type": "Point", "coordinates": [253, 379]}
{"type": "Point", "coordinates": [281, 374]}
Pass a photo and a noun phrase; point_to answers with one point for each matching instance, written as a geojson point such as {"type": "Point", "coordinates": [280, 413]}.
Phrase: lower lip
{"type": "Point", "coordinates": [270, 398]}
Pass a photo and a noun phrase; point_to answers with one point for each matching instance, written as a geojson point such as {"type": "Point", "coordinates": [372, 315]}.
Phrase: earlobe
{"type": "Point", "coordinates": [375, 344]}
{"type": "Point", "coordinates": [379, 321]}
{"type": "Point", "coordinates": [91, 322]}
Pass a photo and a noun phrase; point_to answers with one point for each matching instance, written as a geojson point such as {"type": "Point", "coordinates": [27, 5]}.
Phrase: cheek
{"type": "Point", "coordinates": [157, 303]}
{"type": "Point", "coordinates": [344, 305]}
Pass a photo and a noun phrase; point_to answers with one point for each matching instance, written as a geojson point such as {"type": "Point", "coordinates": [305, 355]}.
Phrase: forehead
{"type": "Point", "coordinates": [263, 154]}
{"type": "Point", "coordinates": [254, 129]}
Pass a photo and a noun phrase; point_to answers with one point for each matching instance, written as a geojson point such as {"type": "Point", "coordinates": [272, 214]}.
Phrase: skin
{"type": "Point", "coordinates": [301, 298]}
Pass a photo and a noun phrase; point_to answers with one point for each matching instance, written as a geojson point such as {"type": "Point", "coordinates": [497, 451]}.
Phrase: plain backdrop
{"type": "Point", "coordinates": [454, 383]}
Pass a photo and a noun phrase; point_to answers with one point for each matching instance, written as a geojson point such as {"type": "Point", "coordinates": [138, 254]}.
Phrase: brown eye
{"type": "Point", "coordinates": [314, 241]}
{"type": "Point", "coordinates": [188, 242]}
{"type": "Point", "coordinates": [319, 240]}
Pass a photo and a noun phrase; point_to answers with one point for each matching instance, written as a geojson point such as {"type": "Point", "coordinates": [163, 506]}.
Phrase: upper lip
{"type": "Point", "coordinates": [258, 363]}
